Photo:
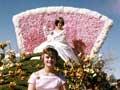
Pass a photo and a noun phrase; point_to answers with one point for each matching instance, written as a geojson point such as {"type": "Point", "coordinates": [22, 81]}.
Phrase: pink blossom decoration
{"type": "Point", "coordinates": [84, 25]}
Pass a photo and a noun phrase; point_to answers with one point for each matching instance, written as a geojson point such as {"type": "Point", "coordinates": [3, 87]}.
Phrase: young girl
{"type": "Point", "coordinates": [46, 78]}
{"type": "Point", "coordinates": [57, 40]}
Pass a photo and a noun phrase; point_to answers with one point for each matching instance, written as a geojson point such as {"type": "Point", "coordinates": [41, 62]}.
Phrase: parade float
{"type": "Point", "coordinates": [86, 33]}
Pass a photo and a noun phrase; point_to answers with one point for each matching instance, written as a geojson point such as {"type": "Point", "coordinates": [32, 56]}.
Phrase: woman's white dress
{"type": "Point", "coordinates": [57, 41]}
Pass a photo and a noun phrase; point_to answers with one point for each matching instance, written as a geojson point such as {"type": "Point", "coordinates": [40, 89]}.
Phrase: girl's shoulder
{"type": "Point", "coordinates": [34, 76]}
{"type": "Point", "coordinates": [38, 73]}
{"type": "Point", "coordinates": [61, 79]}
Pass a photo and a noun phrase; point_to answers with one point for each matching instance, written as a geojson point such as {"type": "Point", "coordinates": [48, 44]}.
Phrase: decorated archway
{"type": "Point", "coordinates": [86, 27]}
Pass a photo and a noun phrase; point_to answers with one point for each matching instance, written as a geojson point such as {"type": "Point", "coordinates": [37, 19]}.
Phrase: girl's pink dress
{"type": "Point", "coordinates": [43, 81]}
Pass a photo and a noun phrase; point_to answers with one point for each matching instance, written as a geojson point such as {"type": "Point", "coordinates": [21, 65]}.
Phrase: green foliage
{"type": "Point", "coordinates": [79, 77]}
{"type": "Point", "coordinates": [19, 74]}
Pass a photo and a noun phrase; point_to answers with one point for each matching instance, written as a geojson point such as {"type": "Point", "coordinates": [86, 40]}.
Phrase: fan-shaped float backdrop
{"type": "Point", "coordinates": [88, 27]}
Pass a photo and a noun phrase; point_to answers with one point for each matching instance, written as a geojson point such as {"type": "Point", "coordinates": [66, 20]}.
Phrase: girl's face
{"type": "Point", "coordinates": [49, 61]}
{"type": "Point", "coordinates": [59, 25]}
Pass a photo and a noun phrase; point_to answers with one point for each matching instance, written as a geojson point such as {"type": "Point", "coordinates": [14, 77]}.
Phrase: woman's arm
{"type": "Point", "coordinates": [31, 81]}
{"type": "Point", "coordinates": [46, 31]}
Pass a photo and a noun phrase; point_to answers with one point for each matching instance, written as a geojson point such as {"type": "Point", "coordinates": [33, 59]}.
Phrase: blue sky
{"type": "Point", "coordinates": [109, 8]}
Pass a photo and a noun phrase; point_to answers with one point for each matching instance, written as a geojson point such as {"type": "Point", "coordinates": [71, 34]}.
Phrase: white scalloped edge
{"type": "Point", "coordinates": [100, 39]}
{"type": "Point", "coordinates": [19, 37]}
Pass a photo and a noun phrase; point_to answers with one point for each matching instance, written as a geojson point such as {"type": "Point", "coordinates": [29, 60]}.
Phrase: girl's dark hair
{"type": "Point", "coordinates": [59, 20]}
{"type": "Point", "coordinates": [51, 52]}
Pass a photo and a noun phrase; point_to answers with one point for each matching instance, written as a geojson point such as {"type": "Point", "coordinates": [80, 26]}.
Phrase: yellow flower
{"type": "Point", "coordinates": [91, 71]}
{"type": "Point", "coordinates": [22, 78]}
{"type": "Point", "coordinates": [1, 75]}
{"type": "Point", "coordinates": [11, 73]}
{"type": "Point", "coordinates": [12, 84]}
{"type": "Point", "coordinates": [65, 72]}
{"type": "Point", "coordinates": [18, 71]}
{"type": "Point", "coordinates": [1, 81]}
{"type": "Point", "coordinates": [87, 69]}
